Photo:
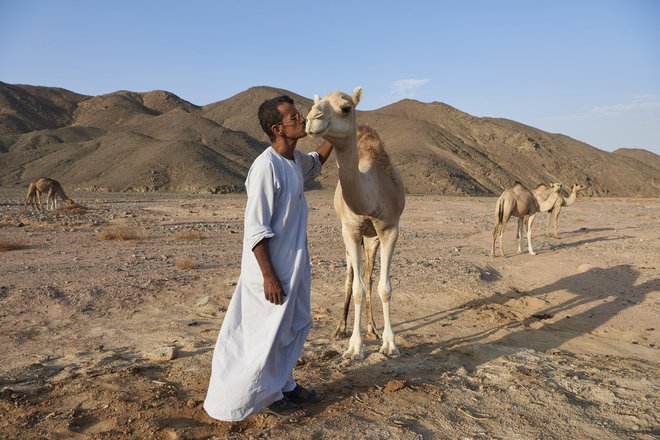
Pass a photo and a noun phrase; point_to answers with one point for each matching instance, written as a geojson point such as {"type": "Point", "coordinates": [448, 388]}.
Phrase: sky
{"type": "Point", "coordinates": [589, 69]}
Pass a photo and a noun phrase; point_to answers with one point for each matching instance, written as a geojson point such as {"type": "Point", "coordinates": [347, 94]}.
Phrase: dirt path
{"type": "Point", "coordinates": [559, 345]}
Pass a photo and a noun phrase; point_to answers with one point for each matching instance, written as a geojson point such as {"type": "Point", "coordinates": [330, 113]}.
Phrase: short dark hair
{"type": "Point", "coordinates": [269, 115]}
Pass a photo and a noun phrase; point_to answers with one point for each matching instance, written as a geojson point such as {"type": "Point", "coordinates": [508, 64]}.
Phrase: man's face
{"type": "Point", "coordinates": [293, 123]}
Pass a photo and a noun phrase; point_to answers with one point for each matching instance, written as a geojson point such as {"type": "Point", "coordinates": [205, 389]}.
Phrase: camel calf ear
{"type": "Point", "coordinates": [357, 95]}
{"type": "Point", "coordinates": [316, 99]}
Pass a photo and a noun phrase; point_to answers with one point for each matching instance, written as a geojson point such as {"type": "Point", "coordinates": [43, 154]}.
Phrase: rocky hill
{"type": "Point", "coordinates": [156, 141]}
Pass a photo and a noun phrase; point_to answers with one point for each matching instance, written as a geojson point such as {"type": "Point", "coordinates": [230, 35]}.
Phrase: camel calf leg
{"type": "Point", "coordinates": [529, 234]}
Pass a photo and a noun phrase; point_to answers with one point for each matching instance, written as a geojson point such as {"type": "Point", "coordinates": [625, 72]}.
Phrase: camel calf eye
{"type": "Point", "coordinates": [346, 110]}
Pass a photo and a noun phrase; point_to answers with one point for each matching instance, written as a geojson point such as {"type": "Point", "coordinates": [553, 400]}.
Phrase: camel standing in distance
{"type": "Point", "coordinates": [519, 202]}
{"type": "Point", "coordinates": [543, 191]}
{"type": "Point", "coordinates": [561, 201]}
{"type": "Point", "coordinates": [41, 185]}
{"type": "Point", "coordinates": [369, 200]}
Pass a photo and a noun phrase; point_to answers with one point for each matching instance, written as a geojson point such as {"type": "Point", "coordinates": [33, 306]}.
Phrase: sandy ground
{"type": "Point", "coordinates": [559, 345]}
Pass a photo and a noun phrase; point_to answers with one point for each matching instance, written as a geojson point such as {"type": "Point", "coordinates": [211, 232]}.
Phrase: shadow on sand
{"type": "Point", "coordinates": [599, 295]}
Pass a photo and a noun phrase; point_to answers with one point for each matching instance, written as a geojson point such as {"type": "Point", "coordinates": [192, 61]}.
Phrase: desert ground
{"type": "Point", "coordinates": [109, 315]}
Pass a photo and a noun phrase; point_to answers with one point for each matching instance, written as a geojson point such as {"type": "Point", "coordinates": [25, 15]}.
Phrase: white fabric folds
{"type": "Point", "coordinates": [260, 342]}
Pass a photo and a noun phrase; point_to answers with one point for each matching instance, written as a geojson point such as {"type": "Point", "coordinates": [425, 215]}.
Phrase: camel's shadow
{"type": "Point", "coordinates": [587, 241]}
{"type": "Point", "coordinates": [599, 295]}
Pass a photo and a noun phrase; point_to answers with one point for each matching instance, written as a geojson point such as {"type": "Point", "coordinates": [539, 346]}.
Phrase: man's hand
{"type": "Point", "coordinates": [324, 151]}
{"type": "Point", "coordinates": [273, 290]}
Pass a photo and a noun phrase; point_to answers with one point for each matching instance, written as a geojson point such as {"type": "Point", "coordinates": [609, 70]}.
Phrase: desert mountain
{"type": "Point", "coordinates": [643, 156]}
{"type": "Point", "coordinates": [156, 141]}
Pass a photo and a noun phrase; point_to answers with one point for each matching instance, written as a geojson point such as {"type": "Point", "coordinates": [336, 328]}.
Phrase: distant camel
{"type": "Point", "coordinates": [561, 201]}
{"type": "Point", "coordinates": [519, 202]}
{"type": "Point", "coordinates": [542, 192]}
{"type": "Point", "coordinates": [42, 185]}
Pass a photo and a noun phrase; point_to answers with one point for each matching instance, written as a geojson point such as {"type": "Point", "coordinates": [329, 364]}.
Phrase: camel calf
{"type": "Point", "coordinates": [42, 185]}
{"type": "Point", "coordinates": [520, 202]}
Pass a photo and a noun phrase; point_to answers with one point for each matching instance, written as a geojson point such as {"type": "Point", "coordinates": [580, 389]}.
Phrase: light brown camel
{"type": "Point", "coordinates": [42, 185]}
{"type": "Point", "coordinates": [561, 201]}
{"type": "Point", "coordinates": [369, 200]}
{"type": "Point", "coordinates": [519, 202]}
{"type": "Point", "coordinates": [543, 191]}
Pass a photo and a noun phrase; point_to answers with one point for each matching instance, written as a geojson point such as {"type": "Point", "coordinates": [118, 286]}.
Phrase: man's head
{"type": "Point", "coordinates": [279, 117]}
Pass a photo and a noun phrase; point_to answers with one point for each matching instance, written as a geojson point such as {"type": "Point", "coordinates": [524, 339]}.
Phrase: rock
{"type": "Point", "coordinates": [394, 385]}
{"type": "Point", "coordinates": [192, 403]}
{"type": "Point", "coordinates": [162, 354]}
{"type": "Point", "coordinates": [171, 435]}
{"type": "Point", "coordinates": [204, 300]}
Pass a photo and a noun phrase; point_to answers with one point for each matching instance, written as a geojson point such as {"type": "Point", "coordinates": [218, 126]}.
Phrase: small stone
{"type": "Point", "coordinates": [171, 435]}
{"type": "Point", "coordinates": [394, 385]}
{"type": "Point", "coordinates": [162, 354]}
{"type": "Point", "coordinates": [191, 403]}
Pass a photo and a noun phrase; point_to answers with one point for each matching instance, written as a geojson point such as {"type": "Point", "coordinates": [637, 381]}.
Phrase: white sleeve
{"type": "Point", "coordinates": [310, 164]}
{"type": "Point", "coordinates": [262, 187]}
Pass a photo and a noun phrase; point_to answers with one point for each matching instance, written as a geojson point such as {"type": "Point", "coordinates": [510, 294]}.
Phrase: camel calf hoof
{"type": "Point", "coordinates": [372, 335]}
{"type": "Point", "coordinates": [339, 334]}
{"type": "Point", "coordinates": [389, 350]}
{"type": "Point", "coordinates": [353, 354]}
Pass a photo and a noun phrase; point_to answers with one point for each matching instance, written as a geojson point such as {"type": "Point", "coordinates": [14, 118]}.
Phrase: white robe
{"type": "Point", "coordinates": [260, 342]}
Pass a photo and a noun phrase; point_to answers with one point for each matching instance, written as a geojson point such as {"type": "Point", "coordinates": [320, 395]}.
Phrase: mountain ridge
{"type": "Point", "coordinates": [157, 141]}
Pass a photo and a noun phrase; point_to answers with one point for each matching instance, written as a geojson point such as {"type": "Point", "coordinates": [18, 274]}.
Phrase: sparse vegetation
{"type": "Point", "coordinates": [5, 223]}
{"type": "Point", "coordinates": [183, 263]}
{"type": "Point", "coordinates": [123, 233]}
{"type": "Point", "coordinates": [73, 209]}
{"type": "Point", "coordinates": [8, 245]}
{"type": "Point", "coordinates": [55, 224]}
{"type": "Point", "coordinates": [189, 235]}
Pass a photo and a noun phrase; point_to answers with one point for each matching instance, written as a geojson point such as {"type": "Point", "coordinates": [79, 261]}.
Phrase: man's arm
{"type": "Point", "coordinates": [272, 286]}
{"type": "Point", "coordinates": [324, 151]}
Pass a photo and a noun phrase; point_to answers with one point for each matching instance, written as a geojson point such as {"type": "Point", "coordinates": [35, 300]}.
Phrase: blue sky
{"type": "Point", "coordinates": [588, 69]}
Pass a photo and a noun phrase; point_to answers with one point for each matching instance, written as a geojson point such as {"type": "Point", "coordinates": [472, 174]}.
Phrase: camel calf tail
{"type": "Point", "coordinates": [499, 218]}
{"type": "Point", "coordinates": [499, 214]}
{"type": "Point", "coordinates": [30, 194]}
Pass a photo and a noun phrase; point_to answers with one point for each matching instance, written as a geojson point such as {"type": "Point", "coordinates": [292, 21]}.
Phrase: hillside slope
{"type": "Point", "coordinates": [156, 141]}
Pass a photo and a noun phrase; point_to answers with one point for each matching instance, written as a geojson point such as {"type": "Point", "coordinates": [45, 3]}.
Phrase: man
{"type": "Point", "coordinates": [269, 316]}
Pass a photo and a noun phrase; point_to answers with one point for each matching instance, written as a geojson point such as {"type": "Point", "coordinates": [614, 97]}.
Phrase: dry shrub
{"type": "Point", "coordinates": [6, 245]}
{"type": "Point", "coordinates": [55, 224]}
{"type": "Point", "coordinates": [124, 233]}
{"type": "Point", "coordinates": [72, 209]}
{"type": "Point", "coordinates": [189, 235]}
{"type": "Point", "coordinates": [184, 263]}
